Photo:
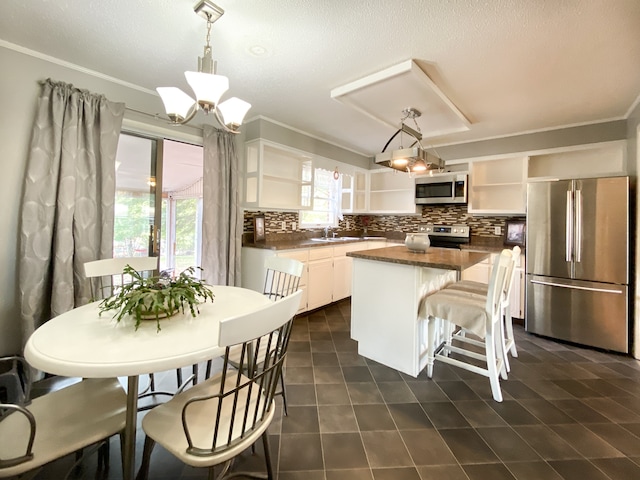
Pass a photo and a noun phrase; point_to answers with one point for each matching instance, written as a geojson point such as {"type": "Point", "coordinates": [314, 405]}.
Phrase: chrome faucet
{"type": "Point", "coordinates": [326, 232]}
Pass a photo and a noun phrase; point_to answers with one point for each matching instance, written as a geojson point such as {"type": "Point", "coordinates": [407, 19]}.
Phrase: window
{"type": "Point", "coordinates": [326, 200]}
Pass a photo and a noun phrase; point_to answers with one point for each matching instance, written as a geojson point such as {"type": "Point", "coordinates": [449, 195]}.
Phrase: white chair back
{"type": "Point", "coordinates": [282, 277]}
{"type": "Point", "coordinates": [107, 275]}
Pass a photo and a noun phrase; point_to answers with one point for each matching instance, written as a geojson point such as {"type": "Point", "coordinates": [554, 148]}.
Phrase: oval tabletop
{"type": "Point", "coordinates": [82, 343]}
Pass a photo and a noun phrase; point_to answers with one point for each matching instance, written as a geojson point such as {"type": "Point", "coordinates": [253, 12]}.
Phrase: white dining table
{"type": "Point", "coordinates": [83, 343]}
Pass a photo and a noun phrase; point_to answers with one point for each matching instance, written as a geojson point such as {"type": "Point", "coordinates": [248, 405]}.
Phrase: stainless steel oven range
{"type": "Point", "coordinates": [447, 236]}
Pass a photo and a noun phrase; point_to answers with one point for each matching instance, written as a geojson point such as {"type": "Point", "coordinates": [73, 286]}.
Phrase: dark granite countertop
{"type": "Point", "coordinates": [445, 258]}
{"type": "Point", "coordinates": [477, 244]}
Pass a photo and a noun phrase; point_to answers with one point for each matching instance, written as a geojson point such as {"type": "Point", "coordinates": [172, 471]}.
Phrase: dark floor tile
{"type": "Point", "coordinates": [404, 473]}
{"type": "Point", "coordinates": [442, 472]}
{"type": "Point", "coordinates": [618, 468]}
{"type": "Point", "coordinates": [396, 392]}
{"type": "Point", "coordinates": [352, 474]}
{"type": "Point", "coordinates": [300, 452]}
{"type": "Point", "coordinates": [320, 336]}
{"type": "Point", "coordinates": [467, 446]}
{"type": "Point", "coordinates": [613, 410]}
{"type": "Point", "coordinates": [299, 359]}
{"type": "Point", "coordinates": [299, 375]}
{"type": "Point", "coordinates": [548, 444]}
{"type": "Point", "coordinates": [427, 391]}
{"type": "Point", "coordinates": [577, 389]}
{"type": "Point", "coordinates": [386, 449]}
{"type": "Point", "coordinates": [507, 444]}
{"type": "Point", "coordinates": [382, 373]}
{"type": "Point", "coordinates": [303, 475]}
{"type": "Point", "coordinates": [533, 471]}
{"type": "Point", "coordinates": [579, 411]}
{"type": "Point", "coordinates": [547, 389]}
{"type": "Point", "coordinates": [332, 394]}
{"type": "Point", "coordinates": [587, 443]}
{"type": "Point", "coordinates": [409, 416]}
{"type": "Point", "coordinates": [351, 359]}
{"type": "Point", "coordinates": [457, 390]}
{"type": "Point", "coordinates": [489, 471]}
{"type": "Point", "coordinates": [605, 387]}
{"type": "Point", "coordinates": [347, 345]}
{"type": "Point", "coordinates": [479, 414]}
{"type": "Point", "coordinates": [301, 420]}
{"type": "Point", "coordinates": [514, 413]}
{"type": "Point", "coordinates": [444, 415]}
{"type": "Point", "coordinates": [546, 412]}
{"type": "Point", "coordinates": [577, 470]}
{"type": "Point", "coordinates": [357, 374]}
{"type": "Point", "coordinates": [628, 384]}
{"type": "Point", "coordinates": [301, 394]}
{"type": "Point", "coordinates": [298, 347]}
{"type": "Point", "coordinates": [343, 451]}
{"type": "Point", "coordinates": [325, 359]}
{"type": "Point", "coordinates": [373, 417]}
{"type": "Point", "coordinates": [322, 346]}
{"type": "Point", "coordinates": [623, 369]}
{"type": "Point", "coordinates": [427, 447]}
{"type": "Point", "coordinates": [337, 418]}
{"type": "Point", "coordinates": [617, 436]}
{"type": "Point", "coordinates": [324, 375]}
{"type": "Point", "coordinates": [364, 393]}
{"type": "Point", "coordinates": [518, 390]}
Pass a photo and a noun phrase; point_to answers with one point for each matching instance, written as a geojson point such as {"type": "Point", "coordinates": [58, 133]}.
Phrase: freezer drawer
{"type": "Point", "coordinates": [588, 313]}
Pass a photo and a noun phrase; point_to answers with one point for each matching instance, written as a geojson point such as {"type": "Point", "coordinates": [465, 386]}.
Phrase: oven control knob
{"type": "Point", "coordinates": [455, 230]}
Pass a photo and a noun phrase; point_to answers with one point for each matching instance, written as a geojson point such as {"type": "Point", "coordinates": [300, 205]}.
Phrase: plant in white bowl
{"type": "Point", "coordinates": [157, 297]}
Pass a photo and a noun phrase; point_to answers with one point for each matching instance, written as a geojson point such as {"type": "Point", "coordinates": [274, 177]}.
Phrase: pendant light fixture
{"type": "Point", "coordinates": [414, 159]}
{"type": "Point", "coordinates": [207, 86]}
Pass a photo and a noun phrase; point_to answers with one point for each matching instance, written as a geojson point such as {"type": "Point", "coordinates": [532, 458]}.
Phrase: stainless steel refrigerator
{"type": "Point", "coordinates": [577, 261]}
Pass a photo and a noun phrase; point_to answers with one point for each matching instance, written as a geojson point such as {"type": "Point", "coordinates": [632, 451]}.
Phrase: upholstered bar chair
{"type": "Point", "coordinates": [506, 324]}
{"type": "Point", "coordinates": [217, 419]}
{"type": "Point", "coordinates": [474, 315]}
{"type": "Point", "coordinates": [59, 423]}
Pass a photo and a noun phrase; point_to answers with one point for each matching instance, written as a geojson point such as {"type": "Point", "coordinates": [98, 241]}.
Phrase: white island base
{"type": "Point", "coordinates": [384, 311]}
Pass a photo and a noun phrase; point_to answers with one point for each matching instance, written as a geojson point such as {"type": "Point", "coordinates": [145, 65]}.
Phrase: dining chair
{"type": "Point", "coordinates": [41, 430]}
{"type": "Point", "coordinates": [217, 419]}
{"type": "Point", "coordinates": [14, 384]}
{"type": "Point", "coordinates": [508, 341]}
{"type": "Point", "coordinates": [282, 278]}
{"type": "Point", "coordinates": [105, 277]}
{"type": "Point", "coordinates": [475, 315]}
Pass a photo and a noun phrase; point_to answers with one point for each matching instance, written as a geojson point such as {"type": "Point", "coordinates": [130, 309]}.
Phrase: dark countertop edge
{"type": "Point", "coordinates": [418, 262]}
{"type": "Point", "coordinates": [490, 245]}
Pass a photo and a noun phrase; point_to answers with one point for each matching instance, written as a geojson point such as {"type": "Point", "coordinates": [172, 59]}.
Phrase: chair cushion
{"type": "Point", "coordinates": [461, 308]}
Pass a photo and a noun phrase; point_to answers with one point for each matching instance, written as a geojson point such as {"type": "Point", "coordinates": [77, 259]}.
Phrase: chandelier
{"type": "Point", "coordinates": [414, 159]}
{"type": "Point", "coordinates": [206, 85]}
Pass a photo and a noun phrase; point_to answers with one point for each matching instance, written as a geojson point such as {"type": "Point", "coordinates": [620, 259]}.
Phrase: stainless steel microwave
{"type": "Point", "coordinates": [441, 189]}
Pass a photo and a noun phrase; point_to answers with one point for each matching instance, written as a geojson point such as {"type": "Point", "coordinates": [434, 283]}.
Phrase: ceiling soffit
{"type": "Point", "coordinates": [383, 95]}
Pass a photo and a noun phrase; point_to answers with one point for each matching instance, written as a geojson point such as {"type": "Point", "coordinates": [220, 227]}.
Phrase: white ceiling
{"type": "Point", "coordinates": [509, 66]}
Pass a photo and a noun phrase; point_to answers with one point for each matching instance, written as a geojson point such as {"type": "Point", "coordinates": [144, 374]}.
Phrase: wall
{"type": "Point", "coordinates": [20, 87]}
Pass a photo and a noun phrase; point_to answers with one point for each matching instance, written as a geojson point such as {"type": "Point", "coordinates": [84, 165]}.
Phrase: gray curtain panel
{"type": "Point", "coordinates": [69, 192]}
{"type": "Point", "coordinates": [221, 214]}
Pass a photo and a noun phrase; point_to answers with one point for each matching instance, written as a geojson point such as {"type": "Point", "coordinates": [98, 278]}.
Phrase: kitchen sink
{"type": "Point", "coordinates": [335, 239]}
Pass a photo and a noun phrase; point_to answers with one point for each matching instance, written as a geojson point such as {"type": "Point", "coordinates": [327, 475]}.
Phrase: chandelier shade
{"type": "Point", "coordinates": [206, 85]}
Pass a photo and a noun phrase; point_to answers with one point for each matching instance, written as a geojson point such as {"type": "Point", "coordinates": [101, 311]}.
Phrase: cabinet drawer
{"type": "Point", "coordinates": [320, 253]}
{"type": "Point", "coordinates": [342, 250]}
{"type": "Point", "coordinates": [302, 255]}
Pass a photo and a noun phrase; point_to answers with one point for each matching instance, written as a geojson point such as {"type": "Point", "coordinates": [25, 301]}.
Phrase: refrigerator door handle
{"type": "Point", "coordinates": [568, 250]}
{"type": "Point", "coordinates": [577, 287]}
{"type": "Point", "coordinates": [578, 244]}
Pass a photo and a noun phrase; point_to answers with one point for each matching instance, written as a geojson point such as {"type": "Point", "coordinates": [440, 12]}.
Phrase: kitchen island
{"type": "Point", "coordinates": [387, 287]}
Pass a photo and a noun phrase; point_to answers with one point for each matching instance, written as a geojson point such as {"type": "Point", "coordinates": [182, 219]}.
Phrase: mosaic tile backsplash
{"type": "Point", "coordinates": [445, 214]}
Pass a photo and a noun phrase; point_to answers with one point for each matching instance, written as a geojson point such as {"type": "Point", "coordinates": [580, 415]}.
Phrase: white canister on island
{"type": "Point", "coordinates": [417, 242]}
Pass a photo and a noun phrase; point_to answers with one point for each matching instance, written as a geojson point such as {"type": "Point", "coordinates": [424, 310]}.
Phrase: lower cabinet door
{"type": "Point", "coordinates": [320, 283]}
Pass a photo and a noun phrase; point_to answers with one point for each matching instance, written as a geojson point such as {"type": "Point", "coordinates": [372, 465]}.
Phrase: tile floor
{"type": "Point", "coordinates": [568, 413]}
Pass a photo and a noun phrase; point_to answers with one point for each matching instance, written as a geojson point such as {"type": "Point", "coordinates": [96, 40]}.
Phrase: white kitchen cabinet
{"type": "Point", "coordinates": [302, 255]}
{"type": "Point", "coordinates": [360, 191]}
{"type": "Point", "coordinates": [342, 266]}
{"type": "Point", "coordinates": [498, 186]}
{"type": "Point", "coordinates": [276, 176]}
{"type": "Point", "coordinates": [320, 279]}
{"type": "Point", "coordinates": [481, 272]}
{"type": "Point", "coordinates": [391, 191]}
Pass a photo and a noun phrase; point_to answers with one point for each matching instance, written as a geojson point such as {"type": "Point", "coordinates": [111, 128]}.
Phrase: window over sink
{"type": "Point", "coordinates": [327, 200]}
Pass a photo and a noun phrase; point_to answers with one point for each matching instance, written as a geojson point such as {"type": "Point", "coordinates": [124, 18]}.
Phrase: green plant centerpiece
{"type": "Point", "coordinates": [157, 297]}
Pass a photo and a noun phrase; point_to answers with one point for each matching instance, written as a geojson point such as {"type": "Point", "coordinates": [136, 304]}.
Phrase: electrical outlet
{"type": "Point", "coordinates": [497, 230]}
{"type": "Point", "coordinates": [293, 225]}
{"type": "Point", "coordinates": [284, 225]}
